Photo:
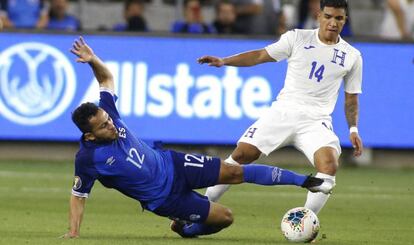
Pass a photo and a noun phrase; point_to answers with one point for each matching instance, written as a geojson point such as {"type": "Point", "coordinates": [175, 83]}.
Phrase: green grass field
{"type": "Point", "coordinates": [369, 206]}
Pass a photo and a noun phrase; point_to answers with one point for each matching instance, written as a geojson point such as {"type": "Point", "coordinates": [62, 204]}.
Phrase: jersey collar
{"type": "Point", "coordinates": [324, 44]}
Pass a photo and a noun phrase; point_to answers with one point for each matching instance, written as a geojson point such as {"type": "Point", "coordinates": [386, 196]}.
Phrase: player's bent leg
{"type": "Point", "coordinates": [219, 217]}
{"type": "Point", "coordinates": [230, 174]}
{"type": "Point", "coordinates": [267, 175]}
{"type": "Point", "coordinates": [243, 154]}
{"type": "Point", "coordinates": [214, 193]}
{"type": "Point", "coordinates": [326, 160]}
{"type": "Point", "coordinates": [326, 163]}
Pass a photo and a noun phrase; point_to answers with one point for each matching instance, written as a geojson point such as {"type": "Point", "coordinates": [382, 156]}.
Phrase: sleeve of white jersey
{"type": "Point", "coordinates": [353, 80]}
{"type": "Point", "coordinates": [283, 48]}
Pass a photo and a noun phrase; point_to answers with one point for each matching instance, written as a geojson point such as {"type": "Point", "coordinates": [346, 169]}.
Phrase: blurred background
{"type": "Point", "coordinates": [151, 46]}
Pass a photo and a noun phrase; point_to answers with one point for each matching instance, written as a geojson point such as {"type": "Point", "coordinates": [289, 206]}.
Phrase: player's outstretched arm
{"type": "Point", "coordinates": [351, 113]}
{"type": "Point", "coordinates": [77, 206]}
{"type": "Point", "coordinates": [249, 58]}
{"type": "Point", "coordinates": [86, 55]}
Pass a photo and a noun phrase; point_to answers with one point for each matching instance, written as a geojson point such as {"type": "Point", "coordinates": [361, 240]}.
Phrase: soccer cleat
{"type": "Point", "coordinates": [178, 227]}
{"type": "Point", "coordinates": [314, 184]}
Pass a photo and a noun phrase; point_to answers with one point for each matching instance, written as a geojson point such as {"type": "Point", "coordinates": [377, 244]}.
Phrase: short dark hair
{"type": "Point", "coordinates": [83, 114]}
{"type": "Point", "coordinates": [189, 1]}
{"type": "Point", "coordinates": [339, 4]}
{"type": "Point", "coordinates": [128, 3]}
{"type": "Point", "coordinates": [219, 3]}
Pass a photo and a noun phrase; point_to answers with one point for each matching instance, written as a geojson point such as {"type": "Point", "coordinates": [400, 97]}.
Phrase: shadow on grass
{"type": "Point", "coordinates": [167, 239]}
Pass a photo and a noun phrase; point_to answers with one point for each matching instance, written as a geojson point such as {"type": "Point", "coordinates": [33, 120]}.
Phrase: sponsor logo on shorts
{"type": "Point", "coordinates": [77, 183]}
{"type": "Point", "coordinates": [195, 217]}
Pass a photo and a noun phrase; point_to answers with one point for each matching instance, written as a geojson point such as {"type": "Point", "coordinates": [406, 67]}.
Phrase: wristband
{"type": "Point", "coordinates": [353, 129]}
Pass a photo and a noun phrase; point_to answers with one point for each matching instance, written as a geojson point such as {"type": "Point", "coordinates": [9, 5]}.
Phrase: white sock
{"type": "Point", "coordinates": [215, 192]}
{"type": "Point", "coordinates": [316, 201]}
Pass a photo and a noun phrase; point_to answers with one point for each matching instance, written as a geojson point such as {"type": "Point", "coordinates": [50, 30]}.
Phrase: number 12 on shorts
{"type": "Point", "coordinates": [193, 161]}
{"type": "Point", "coordinates": [318, 73]}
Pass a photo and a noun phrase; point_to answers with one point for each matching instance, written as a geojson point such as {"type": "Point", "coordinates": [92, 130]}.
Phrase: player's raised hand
{"type": "Point", "coordinates": [356, 143]}
{"type": "Point", "coordinates": [211, 61]}
{"type": "Point", "coordinates": [82, 50]}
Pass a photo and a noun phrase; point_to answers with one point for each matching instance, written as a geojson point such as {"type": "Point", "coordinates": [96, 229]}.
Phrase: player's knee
{"type": "Point", "coordinates": [236, 173]}
{"type": "Point", "coordinates": [245, 154]}
{"type": "Point", "coordinates": [328, 168]}
{"type": "Point", "coordinates": [231, 174]}
{"type": "Point", "coordinates": [326, 163]}
{"type": "Point", "coordinates": [227, 218]}
{"type": "Point", "coordinates": [219, 216]}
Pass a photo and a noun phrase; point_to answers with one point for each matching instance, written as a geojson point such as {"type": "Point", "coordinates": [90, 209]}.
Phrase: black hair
{"type": "Point", "coordinates": [186, 2]}
{"type": "Point", "coordinates": [128, 3]}
{"type": "Point", "coordinates": [83, 114]}
{"type": "Point", "coordinates": [339, 4]}
{"type": "Point", "coordinates": [219, 3]}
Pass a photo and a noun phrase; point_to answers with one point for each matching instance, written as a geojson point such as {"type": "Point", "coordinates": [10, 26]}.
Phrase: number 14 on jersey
{"type": "Point", "coordinates": [318, 74]}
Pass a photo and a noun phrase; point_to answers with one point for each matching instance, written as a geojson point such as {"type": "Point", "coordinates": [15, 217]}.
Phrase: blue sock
{"type": "Point", "coordinates": [196, 229]}
{"type": "Point", "coordinates": [268, 175]}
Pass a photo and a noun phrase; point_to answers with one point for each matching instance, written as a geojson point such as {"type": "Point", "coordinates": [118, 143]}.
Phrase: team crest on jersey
{"type": "Point", "coordinates": [77, 183]}
{"type": "Point", "coordinates": [338, 57]}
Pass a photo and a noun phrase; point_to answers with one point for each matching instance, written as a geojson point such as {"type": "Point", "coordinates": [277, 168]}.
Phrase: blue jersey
{"type": "Point", "coordinates": [126, 164]}
{"type": "Point", "coordinates": [68, 23]}
{"type": "Point", "coordinates": [23, 13]}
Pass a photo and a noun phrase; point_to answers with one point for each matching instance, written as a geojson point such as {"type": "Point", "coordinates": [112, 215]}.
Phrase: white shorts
{"type": "Point", "coordinates": [282, 126]}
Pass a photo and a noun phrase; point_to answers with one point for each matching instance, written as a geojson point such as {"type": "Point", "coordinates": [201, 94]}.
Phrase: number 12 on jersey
{"type": "Point", "coordinates": [318, 73]}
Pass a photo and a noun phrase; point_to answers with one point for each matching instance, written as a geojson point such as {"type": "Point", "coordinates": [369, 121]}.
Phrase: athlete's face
{"type": "Point", "coordinates": [59, 7]}
{"type": "Point", "coordinates": [226, 13]}
{"type": "Point", "coordinates": [103, 128]}
{"type": "Point", "coordinates": [331, 22]}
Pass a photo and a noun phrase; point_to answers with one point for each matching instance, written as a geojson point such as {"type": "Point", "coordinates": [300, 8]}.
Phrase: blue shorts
{"type": "Point", "coordinates": [190, 172]}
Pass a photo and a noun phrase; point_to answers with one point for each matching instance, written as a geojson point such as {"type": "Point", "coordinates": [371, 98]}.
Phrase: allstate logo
{"type": "Point", "coordinates": [37, 83]}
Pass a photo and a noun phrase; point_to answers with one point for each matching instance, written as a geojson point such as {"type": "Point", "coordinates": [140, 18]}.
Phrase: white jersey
{"type": "Point", "coordinates": [315, 71]}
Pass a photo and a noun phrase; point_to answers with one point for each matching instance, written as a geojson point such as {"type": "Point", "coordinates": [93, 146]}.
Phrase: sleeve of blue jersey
{"type": "Point", "coordinates": [85, 175]}
{"type": "Point", "coordinates": [107, 102]}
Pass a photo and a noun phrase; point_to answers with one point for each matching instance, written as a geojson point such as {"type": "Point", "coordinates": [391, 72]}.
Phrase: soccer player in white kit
{"type": "Point", "coordinates": [318, 61]}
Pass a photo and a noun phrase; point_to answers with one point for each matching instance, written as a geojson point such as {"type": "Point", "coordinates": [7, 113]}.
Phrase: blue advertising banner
{"type": "Point", "coordinates": [165, 95]}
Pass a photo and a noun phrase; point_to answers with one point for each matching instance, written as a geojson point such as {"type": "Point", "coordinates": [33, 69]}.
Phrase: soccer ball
{"type": "Point", "coordinates": [300, 225]}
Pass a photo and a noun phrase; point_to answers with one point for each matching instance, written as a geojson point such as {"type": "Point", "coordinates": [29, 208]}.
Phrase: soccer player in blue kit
{"type": "Point", "coordinates": [161, 180]}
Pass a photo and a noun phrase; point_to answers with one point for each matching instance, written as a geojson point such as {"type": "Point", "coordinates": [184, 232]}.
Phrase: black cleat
{"type": "Point", "coordinates": [314, 184]}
